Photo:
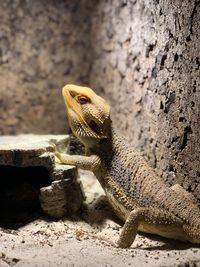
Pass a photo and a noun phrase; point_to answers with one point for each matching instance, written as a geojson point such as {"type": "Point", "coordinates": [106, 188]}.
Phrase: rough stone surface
{"type": "Point", "coordinates": [82, 241]}
{"type": "Point", "coordinates": [43, 46]}
{"type": "Point", "coordinates": [146, 63]}
{"type": "Point", "coordinates": [141, 55]}
{"type": "Point", "coordinates": [29, 173]}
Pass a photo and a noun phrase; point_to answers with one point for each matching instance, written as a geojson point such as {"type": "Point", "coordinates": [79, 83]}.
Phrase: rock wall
{"type": "Point", "coordinates": [146, 63]}
{"type": "Point", "coordinates": [141, 55]}
{"type": "Point", "coordinates": [43, 45]}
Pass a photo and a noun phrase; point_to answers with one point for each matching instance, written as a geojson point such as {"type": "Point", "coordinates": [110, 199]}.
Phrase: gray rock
{"type": "Point", "coordinates": [22, 157]}
{"type": "Point", "coordinates": [155, 104]}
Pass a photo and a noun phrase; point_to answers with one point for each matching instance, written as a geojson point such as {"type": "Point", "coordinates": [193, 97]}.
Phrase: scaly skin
{"type": "Point", "coordinates": [137, 194]}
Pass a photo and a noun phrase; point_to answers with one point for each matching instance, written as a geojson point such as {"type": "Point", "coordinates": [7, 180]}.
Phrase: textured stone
{"type": "Point", "coordinates": [151, 79]}
{"type": "Point", "coordinates": [29, 173]}
{"type": "Point", "coordinates": [43, 46]}
{"type": "Point", "coordinates": [62, 197]}
{"type": "Point", "coordinates": [141, 55]}
{"type": "Point", "coordinates": [190, 263]}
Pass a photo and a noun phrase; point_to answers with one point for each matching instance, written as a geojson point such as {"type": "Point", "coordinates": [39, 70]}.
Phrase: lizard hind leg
{"type": "Point", "coordinates": [150, 220]}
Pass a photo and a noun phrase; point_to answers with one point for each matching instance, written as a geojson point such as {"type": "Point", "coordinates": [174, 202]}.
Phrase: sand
{"type": "Point", "coordinates": [86, 240]}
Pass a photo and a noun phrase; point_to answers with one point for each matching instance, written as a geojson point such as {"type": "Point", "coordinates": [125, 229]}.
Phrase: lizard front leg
{"type": "Point", "coordinates": [84, 162]}
{"type": "Point", "coordinates": [150, 216]}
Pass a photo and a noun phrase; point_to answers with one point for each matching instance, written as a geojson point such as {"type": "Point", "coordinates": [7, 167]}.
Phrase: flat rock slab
{"type": "Point", "coordinates": [15, 150]}
{"type": "Point", "coordinates": [63, 193]}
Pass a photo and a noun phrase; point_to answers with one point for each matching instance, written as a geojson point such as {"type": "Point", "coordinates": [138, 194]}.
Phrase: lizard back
{"type": "Point", "coordinates": [129, 179]}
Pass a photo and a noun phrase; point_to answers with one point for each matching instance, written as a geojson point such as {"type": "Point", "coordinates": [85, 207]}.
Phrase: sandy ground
{"type": "Point", "coordinates": [86, 240]}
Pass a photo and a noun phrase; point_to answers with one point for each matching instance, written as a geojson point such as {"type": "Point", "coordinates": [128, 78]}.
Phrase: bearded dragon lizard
{"type": "Point", "coordinates": [135, 191]}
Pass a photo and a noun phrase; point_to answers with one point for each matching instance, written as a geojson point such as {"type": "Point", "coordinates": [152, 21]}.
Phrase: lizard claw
{"type": "Point", "coordinates": [120, 244]}
{"type": "Point", "coordinates": [53, 146]}
{"type": "Point", "coordinates": [56, 153]}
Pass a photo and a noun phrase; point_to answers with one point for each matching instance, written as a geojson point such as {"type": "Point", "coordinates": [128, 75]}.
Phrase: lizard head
{"type": "Point", "coordinates": [88, 114]}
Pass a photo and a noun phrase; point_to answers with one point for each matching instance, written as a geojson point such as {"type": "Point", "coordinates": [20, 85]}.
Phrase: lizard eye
{"type": "Point", "coordinates": [82, 99]}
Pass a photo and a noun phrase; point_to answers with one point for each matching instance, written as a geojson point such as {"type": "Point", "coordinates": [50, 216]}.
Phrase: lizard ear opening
{"type": "Point", "coordinates": [93, 125]}
{"type": "Point", "coordinates": [100, 130]}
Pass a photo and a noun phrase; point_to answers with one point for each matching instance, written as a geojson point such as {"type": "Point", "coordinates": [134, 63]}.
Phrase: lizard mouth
{"type": "Point", "coordinates": [83, 129]}
{"type": "Point", "coordinates": [71, 105]}
{"type": "Point", "coordinates": [67, 96]}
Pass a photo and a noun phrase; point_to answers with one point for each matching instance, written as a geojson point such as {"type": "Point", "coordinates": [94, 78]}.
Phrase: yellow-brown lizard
{"type": "Point", "coordinates": [138, 195]}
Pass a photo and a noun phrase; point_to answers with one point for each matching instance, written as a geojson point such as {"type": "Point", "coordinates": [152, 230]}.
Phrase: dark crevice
{"type": "Point", "coordinates": [166, 48]}
{"type": "Point", "coordinates": [176, 57]}
{"type": "Point", "coordinates": [189, 189]}
{"type": "Point", "coordinates": [19, 193]}
{"type": "Point", "coordinates": [170, 100]}
{"type": "Point", "coordinates": [150, 48]}
{"type": "Point", "coordinates": [162, 62]}
{"type": "Point", "coordinates": [198, 62]}
{"type": "Point", "coordinates": [194, 87]}
{"type": "Point", "coordinates": [170, 34]}
{"type": "Point", "coordinates": [154, 72]}
{"type": "Point", "coordinates": [175, 139]}
{"type": "Point", "coordinates": [187, 131]}
{"type": "Point", "coordinates": [161, 105]}
{"type": "Point", "coordinates": [188, 38]}
{"type": "Point", "coordinates": [171, 168]}
{"type": "Point", "coordinates": [181, 119]}
{"type": "Point", "coordinates": [194, 11]}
